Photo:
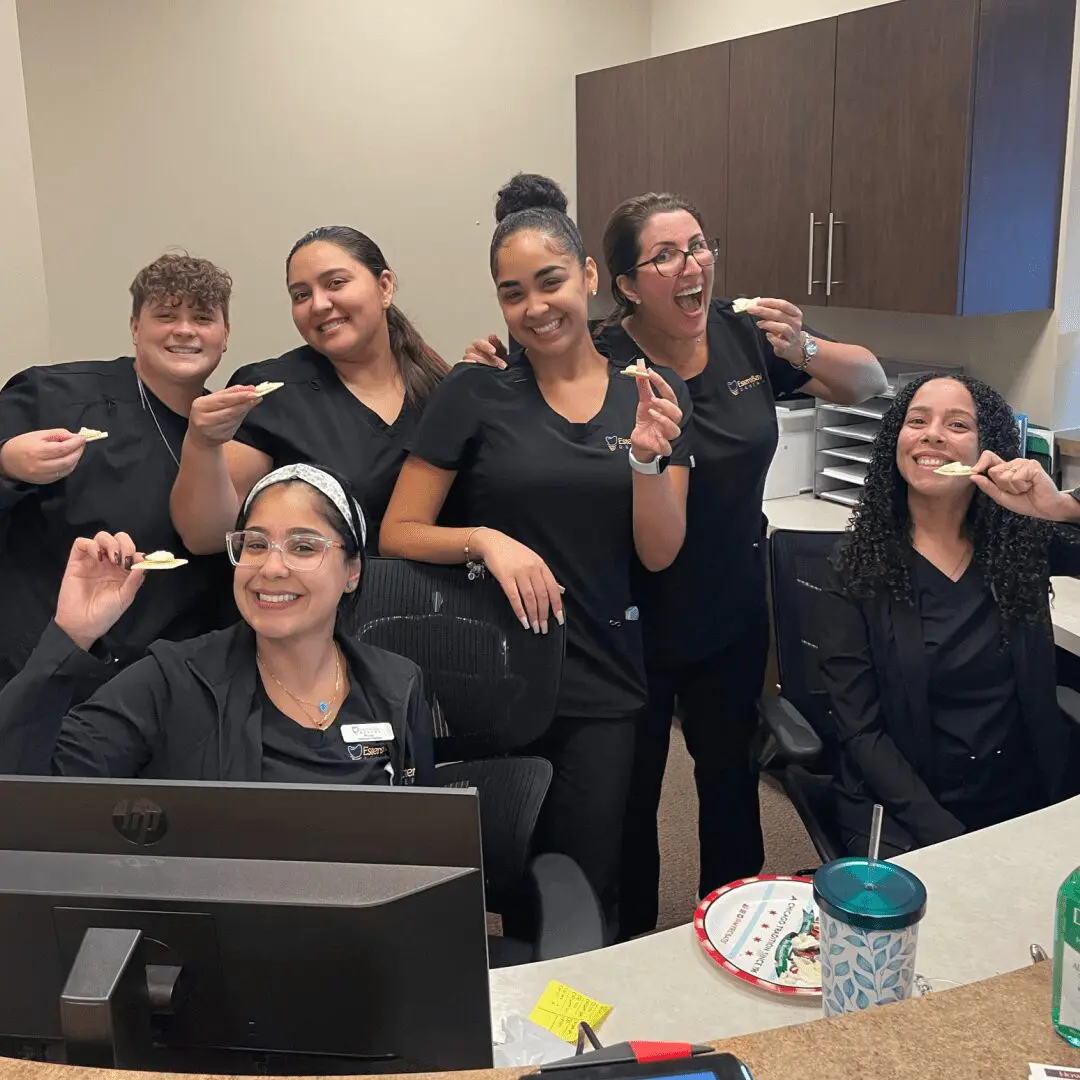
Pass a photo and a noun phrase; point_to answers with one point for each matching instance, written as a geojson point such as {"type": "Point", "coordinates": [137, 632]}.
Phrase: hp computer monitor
{"type": "Point", "coordinates": [242, 927]}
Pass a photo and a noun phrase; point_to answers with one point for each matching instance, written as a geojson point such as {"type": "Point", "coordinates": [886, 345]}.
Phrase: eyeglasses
{"type": "Point", "coordinates": [302, 551]}
{"type": "Point", "coordinates": [672, 261]}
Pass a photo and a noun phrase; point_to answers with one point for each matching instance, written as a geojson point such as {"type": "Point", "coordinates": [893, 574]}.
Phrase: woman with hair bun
{"type": "Point", "coordinates": [568, 473]}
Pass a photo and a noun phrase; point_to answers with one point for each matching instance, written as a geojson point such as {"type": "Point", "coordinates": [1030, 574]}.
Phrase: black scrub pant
{"type": "Point", "coordinates": [717, 699]}
{"type": "Point", "coordinates": [586, 804]}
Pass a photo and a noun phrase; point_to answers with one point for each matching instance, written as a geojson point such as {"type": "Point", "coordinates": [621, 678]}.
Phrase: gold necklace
{"type": "Point", "coordinates": [326, 715]}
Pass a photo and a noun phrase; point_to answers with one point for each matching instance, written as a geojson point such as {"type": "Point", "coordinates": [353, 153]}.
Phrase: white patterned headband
{"type": "Point", "coordinates": [322, 482]}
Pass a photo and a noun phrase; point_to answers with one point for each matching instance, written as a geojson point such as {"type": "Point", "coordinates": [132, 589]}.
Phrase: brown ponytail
{"type": "Point", "coordinates": [421, 367]}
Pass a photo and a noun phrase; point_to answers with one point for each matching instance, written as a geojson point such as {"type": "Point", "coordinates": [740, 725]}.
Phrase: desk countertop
{"type": "Point", "coordinates": [990, 1030]}
{"type": "Point", "coordinates": [991, 896]}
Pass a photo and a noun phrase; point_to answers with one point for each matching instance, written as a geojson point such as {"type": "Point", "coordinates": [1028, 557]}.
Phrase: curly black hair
{"type": "Point", "coordinates": [1011, 550]}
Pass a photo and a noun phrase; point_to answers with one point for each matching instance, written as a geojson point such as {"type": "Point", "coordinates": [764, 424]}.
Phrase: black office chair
{"type": "Point", "coordinates": [797, 741]}
{"type": "Point", "coordinates": [797, 738]}
{"type": "Point", "coordinates": [493, 688]}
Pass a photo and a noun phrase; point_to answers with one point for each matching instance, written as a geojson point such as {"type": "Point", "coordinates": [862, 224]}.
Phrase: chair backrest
{"type": "Point", "coordinates": [492, 684]}
{"type": "Point", "coordinates": [799, 563]}
{"type": "Point", "coordinates": [512, 792]}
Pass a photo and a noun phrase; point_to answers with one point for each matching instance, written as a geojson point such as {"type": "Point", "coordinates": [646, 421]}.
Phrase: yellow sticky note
{"type": "Point", "coordinates": [561, 1009]}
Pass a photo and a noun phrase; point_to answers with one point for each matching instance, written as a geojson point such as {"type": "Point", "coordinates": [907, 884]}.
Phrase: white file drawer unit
{"type": "Point", "coordinates": [792, 469]}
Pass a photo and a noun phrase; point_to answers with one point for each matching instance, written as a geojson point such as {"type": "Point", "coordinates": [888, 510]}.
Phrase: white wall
{"type": "Point", "coordinates": [24, 326]}
{"type": "Point", "coordinates": [230, 129]}
{"type": "Point", "coordinates": [1031, 358]}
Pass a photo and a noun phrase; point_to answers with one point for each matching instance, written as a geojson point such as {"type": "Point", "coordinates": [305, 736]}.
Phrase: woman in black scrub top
{"type": "Point", "coordinates": [559, 462]}
{"type": "Point", "coordinates": [935, 643]}
{"type": "Point", "coordinates": [351, 399]}
{"type": "Point", "coordinates": [56, 485]}
{"type": "Point", "coordinates": [287, 695]}
{"type": "Point", "coordinates": [705, 618]}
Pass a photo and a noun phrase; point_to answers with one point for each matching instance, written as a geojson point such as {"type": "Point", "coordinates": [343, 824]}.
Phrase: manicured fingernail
{"type": "Point", "coordinates": [560, 617]}
{"type": "Point", "coordinates": [544, 627]}
{"type": "Point", "coordinates": [116, 558]}
{"type": "Point", "coordinates": [536, 628]}
{"type": "Point", "coordinates": [128, 562]}
{"type": "Point", "coordinates": [524, 622]}
{"type": "Point", "coordinates": [562, 588]}
{"type": "Point", "coordinates": [100, 555]}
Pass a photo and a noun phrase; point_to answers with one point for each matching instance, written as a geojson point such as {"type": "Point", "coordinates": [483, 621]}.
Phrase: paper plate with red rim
{"type": "Point", "coordinates": [764, 931]}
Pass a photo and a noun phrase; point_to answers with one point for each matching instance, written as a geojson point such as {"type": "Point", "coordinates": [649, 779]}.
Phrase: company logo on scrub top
{"type": "Point", "coordinates": [616, 442]}
{"type": "Point", "coordinates": [739, 386]}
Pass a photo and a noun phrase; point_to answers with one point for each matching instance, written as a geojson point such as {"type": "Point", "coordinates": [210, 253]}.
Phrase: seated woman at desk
{"type": "Point", "coordinates": [935, 640]}
{"type": "Point", "coordinates": [287, 695]}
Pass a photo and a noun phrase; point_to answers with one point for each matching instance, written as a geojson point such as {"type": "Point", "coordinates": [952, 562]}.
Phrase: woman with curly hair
{"type": "Point", "coordinates": [93, 446]}
{"type": "Point", "coordinates": [936, 645]}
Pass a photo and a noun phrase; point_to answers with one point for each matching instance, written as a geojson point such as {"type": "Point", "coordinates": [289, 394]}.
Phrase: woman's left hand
{"type": "Point", "coordinates": [782, 323]}
{"type": "Point", "coordinates": [1024, 487]}
{"type": "Point", "coordinates": [658, 419]}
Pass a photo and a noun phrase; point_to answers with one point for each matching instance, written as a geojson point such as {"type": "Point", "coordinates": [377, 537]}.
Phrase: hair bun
{"type": "Point", "coordinates": [527, 191]}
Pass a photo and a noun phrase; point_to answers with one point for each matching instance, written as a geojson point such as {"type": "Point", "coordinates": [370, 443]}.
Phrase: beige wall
{"type": "Point", "coordinates": [1031, 358]}
{"type": "Point", "coordinates": [24, 329]}
{"type": "Point", "coordinates": [232, 128]}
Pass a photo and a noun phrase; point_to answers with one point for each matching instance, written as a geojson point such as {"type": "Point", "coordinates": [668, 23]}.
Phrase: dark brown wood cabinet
{"type": "Point", "coordinates": [613, 154]}
{"type": "Point", "coordinates": [686, 102]}
{"type": "Point", "coordinates": [780, 167]}
{"type": "Point", "coordinates": [901, 134]}
{"type": "Point", "coordinates": [656, 125]}
{"type": "Point", "coordinates": [903, 157]}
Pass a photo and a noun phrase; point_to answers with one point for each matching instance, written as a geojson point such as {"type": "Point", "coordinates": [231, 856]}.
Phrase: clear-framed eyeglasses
{"type": "Point", "coordinates": [299, 551]}
{"type": "Point", "coordinates": [671, 261]}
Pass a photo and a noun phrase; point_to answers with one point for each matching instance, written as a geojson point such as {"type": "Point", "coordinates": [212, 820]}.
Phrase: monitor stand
{"type": "Point", "coordinates": [110, 998]}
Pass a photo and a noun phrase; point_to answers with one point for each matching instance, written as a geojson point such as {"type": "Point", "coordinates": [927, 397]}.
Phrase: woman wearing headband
{"type": "Point", "coordinates": [287, 695]}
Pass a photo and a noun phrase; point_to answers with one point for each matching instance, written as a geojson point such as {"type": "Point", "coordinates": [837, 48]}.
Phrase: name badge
{"type": "Point", "coordinates": [354, 733]}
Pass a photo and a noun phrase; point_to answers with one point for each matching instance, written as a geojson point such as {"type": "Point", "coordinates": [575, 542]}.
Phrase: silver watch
{"type": "Point", "coordinates": [809, 351]}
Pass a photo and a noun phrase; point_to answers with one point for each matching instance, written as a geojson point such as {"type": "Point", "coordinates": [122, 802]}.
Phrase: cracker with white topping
{"type": "Point", "coordinates": [743, 304]}
{"type": "Point", "coordinates": [954, 468]}
{"type": "Point", "coordinates": [265, 388]}
{"type": "Point", "coordinates": [159, 560]}
{"type": "Point", "coordinates": [92, 434]}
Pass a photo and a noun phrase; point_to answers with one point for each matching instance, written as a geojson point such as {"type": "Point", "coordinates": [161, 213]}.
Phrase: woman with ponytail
{"type": "Point", "coordinates": [351, 398]}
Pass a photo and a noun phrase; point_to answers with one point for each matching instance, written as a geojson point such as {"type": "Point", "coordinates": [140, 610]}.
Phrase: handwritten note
{"type": "Point", "coordinates": [561, 1009]}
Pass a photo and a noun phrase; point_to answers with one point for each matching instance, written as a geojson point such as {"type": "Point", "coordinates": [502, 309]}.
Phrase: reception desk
{"type": "Point", "coordinates": [991, 896]}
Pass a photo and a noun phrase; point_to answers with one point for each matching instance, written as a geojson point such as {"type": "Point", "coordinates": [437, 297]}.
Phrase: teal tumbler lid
{"type": "Point", "coordinates": [870, 894]}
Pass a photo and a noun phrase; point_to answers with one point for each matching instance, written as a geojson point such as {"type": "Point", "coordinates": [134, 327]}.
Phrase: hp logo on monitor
{"type": "Point", "coordinates": [140, 821]}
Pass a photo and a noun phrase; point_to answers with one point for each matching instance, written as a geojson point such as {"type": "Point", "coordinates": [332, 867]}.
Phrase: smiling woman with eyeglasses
{"type": "Point", "coordinates": [287, 695]}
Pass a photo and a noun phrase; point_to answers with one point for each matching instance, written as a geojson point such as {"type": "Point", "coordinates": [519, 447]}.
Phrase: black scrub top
{"type": "Point", "coordinates": [984, 763]}
{"type": "Point", "coordinates": [315, 419]}
{"type": "Point", "coordinates": [565, 491]}
{"type": "Point", "coordinates": [298, 755]}
{"type": "Point", "coordinates": [121, 483]}
{"type": "Point", "coordinates": [715, 588]}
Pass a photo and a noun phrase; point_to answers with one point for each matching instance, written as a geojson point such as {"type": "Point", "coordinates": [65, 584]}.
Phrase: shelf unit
{"type": "Point", "coordinates": [844, 436]}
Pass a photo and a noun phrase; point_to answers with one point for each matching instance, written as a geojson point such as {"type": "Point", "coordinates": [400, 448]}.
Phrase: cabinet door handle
{"type": "Point", "coordinates": [829, 283]}
{"type": "Point", "coordinates": [810, 280]}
